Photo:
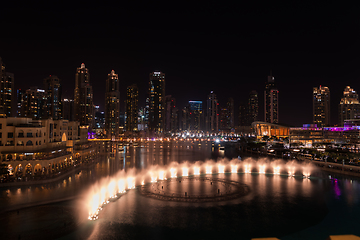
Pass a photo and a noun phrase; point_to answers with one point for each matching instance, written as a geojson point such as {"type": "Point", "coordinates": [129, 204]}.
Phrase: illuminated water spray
{"type": "Point", "coordinates": [185, 172]}
{"type": "Point", "coordinates": [196, 171]}
{"type": "Point", "coordinates": [208, 169]}
{"type": "Point", "coordinates": [234, 168]}
{"type": "Point", "coordinates": [173, 172]}
{"type": "Point", "coordinates": [221, 168]}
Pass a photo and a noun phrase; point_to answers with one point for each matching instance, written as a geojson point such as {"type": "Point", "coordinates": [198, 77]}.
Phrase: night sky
{"type": "Point", "coordinates": [200, 46]}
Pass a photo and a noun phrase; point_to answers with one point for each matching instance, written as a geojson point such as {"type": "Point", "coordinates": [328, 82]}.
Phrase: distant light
{"type": "Point", "coordinates": [157, 72]}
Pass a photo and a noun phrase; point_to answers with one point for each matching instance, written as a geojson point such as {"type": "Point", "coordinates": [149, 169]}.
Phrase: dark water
{"type": "Point", "coordinates": [277, 206]}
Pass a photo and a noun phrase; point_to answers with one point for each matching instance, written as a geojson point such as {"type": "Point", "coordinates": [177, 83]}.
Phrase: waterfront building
{"type": "Point", "coordinates": [185, 119]}
{"type": "Point", "coordinates": [6, 92]}
{"type": "Point", "coordinates": [52, 89]}
{"type": "Point", "coordinates": [132, 102]}
{"type": "Point", "coordinates": [112, 105]}
{"type": "Point", "coordinates": [212, 114]}
{"type": "Point", "coordinates": [224, 119]}
{"type": "Point", "coordinates": [156, 102]}
{"type": "Point", "coordinates": [83, 98]}
{"type": "Point", "coordinates": [271, 101]}
{"type": "Point", "coordinates": [310, 135]}
{"type": "Point", "coordinates": [321, 106]}
{"type": "Point", "coordinates": [31, 147]}
{"type": "Point", "coordinates": [349, 107]}
{"type": "Point", "coordinates": [262, 129]}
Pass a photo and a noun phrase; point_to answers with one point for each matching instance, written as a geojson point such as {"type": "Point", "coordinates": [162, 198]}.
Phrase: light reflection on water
{"type": "Point", "coordinates": [292, 203]}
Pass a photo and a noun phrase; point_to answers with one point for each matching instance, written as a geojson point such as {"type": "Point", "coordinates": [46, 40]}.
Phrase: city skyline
{"type": "Point", "coordinates": [226, 48]}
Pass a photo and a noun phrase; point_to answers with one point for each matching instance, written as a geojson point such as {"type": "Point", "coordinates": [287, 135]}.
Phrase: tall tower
{"type": "Point", "coordinates": [196, 111]}
{"type": "Point", "coordinates": [170, 114]}
{"type": "Point", "coordinates": [349, 107]}
{"type": "Point", "coordinates": [253, 107]}
{"type": "Point", "coordinates": [35, 104]}
{"type": "Point", "coordinates": [156, 102]}
{"type": "Point", "coordinates": [230, 114]}
{"type": "Point", "coordinates": [112, 105]}
{"type": "Point", "coordinates": [132, 100]}
{"type": "Point", "coordinates": [6, 92]}
{"type": "Point", "coordinates": [212, 115]}
{"type": "Point", "coordinates": [83, 97]}
{"type": "Point", "coordinates": [271, 101]}
{"type": "Point", "coordinates": [321, 106]}
{"type": "Point", "coordinates": [53, 91]}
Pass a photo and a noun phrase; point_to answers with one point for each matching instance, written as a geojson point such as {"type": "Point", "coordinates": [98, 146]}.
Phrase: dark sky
{"type": "Point", "coordinates": [226, 47]}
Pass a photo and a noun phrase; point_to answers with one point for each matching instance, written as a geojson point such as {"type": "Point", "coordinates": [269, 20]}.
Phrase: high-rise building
{"type": "Point", "coordinates": [349, 107]}
{"type": "Point", "coordinates": [224, 120]}
{"type": "Point", "coordinates": [253, 107]}
{"type": "Point", "coordinates": [132, 102]}
{"type": "Point", "coordinates": [99, 118]}
{"type": "Point", "coordinates": [35, 104]}
{"type": "Point", "coordinates": [6, 92]}
{"type": "Point", "coordinates": [196, 115]}
{"type": "Point", "coordinates": [83, 98]}
{"type": "Point", "coordinates": [112, 105]}
{"type": "Point", "coordinates": [185, 118]}
{"type": "Point", "coordinates": [321, 106]}
{"type": "Point", "coordinates": [171, 118]}
{"type": "Point", "coordinates": [53, 91]}
{"type": "Point", "coordinates": [271, 101]}
{"type": "Point", "coordinates": [212, 115]}
{"type": "Point", "coordinates": [67, 109]}
{"type": "Point", "coordinates": [230, 114]}
{"type": "Point", "coordinates": [156, 102]}
{"type": "Point", "coordinates": [20, 102]}
{"type": "Point", "coordinates": [243, 114]}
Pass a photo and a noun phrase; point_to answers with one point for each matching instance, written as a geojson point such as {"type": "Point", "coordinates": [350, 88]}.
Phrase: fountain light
{"type": "Point", "coordinates": [221, 168]}
{"type": "Point", "coordinates": [112, 189]}
{"type": "Point", "coordinates": [196, 170]}
{"type": "Point", "coordinates": [121, 185]}
{"type": "Point", "coordinates": [185, 172]}
{"type": "Point", "coordinates": [130, 182]}
{"type": "Point", "coordinates": [262, 169]}
{"type": "Point", "coordinates": [173, 172]}
{"type": "Point", "coordinates": [208, 169]}
{"type": "Point", "coordinates": [162, 175]}
{"type": "Point", "coordinates": [234, 168]}
{"type": "Point", "coordinates": [277, 170]}
{"type": "Point", "coordinates": [247, 168]}
{"type": "Point", "coordinates": [291, 171]}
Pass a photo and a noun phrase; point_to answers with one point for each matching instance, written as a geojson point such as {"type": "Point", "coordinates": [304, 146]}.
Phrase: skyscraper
{"type": "Point", "coordinates": [6, 92]}
{"type": "Point", "coordinates": [212, 115]}
{"type": "Point", "coordinates": [53, 91]}
{"type": "Point", "coordinates": [321, 106]}
{"type": "Point", "coordinates": [349, 107]}
{"type": "Point", "coordinates": [35, 104]}
{"type": "Point", "coordinates": [112, 105]}
{"type": "Point", "coordinates": [230, 114]}
{"type": "Point", "coordinates": [132, 99]}
{"type": "Point", "coordinates": [271, 101]}
{"type": "Point", "coordinates": [171, 120]}
{"type": "Point", "coordinates": [253, 107]}
{"type": "Point", "coordinates": [156, 102]}
{"type": "Point", "coordinates": [67, 109]}
{"type": "Point", "coordinates": [196, 115]}
{"type": "Point", "coordinates": [83, 98]}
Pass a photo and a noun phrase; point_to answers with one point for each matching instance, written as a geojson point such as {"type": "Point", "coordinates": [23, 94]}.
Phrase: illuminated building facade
{"type": "Point", "coordinates": [83, 97]}
{"type": "Point", "coordinates": [253, 107]}
{"type": "Point", "coordinates": [132, 99]}
{"type": "Point", "coordinates": [67, 111]}
{"type": "Point", "coordinates": [212, 114]}
{"type": "Point", "coordinates": [112, 105]}
{"type": "Point", "coordinates": [310, 135]}
{"type": "Point", "coordinates": [196, 115]}
{"type": "Point", "coordinates": [321, 106]}
{"type": "Point", "coordinates": [35, 104]}
{"type": "Point", "coordinates": [270, 129]}
{"type": "Point", "coordinates": [156, 102]}
{"type": "Point", "coordinates": [52, 88]}
{"type": "Point", "coordinates": [271, 101]}
{"type": "Point", "coordinates": [6, 92]}
{"type": "Point", "coordinates": [171, 114]}
{"type": "Point", "coordinates": [349, 107]}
